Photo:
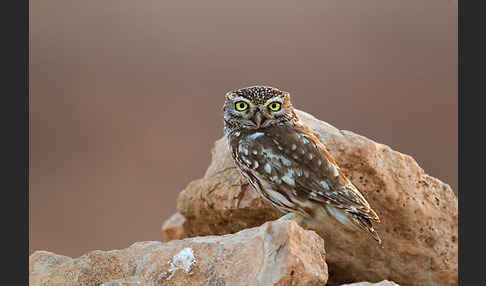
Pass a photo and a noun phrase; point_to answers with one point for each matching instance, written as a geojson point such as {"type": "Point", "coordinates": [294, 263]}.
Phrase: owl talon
{"type": "Point", "coordinates": [288, 216]}
{"type": "Point", "coordinates": [293, 217]}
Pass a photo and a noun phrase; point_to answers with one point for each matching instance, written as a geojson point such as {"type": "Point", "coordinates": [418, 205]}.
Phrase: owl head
{"type": "Point", "coordinates": [257, 107]}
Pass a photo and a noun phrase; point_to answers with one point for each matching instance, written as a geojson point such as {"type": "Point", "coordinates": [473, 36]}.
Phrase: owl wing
{"type": "Point", "coordinates": [295, 161]}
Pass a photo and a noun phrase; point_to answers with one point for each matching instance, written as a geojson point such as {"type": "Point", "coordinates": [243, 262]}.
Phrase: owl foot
{"type": "Point", "coordinates": [294, 217]}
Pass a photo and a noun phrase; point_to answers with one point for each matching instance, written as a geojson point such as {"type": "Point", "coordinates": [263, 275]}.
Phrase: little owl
{"type": "Point", "coordinates": [287, 164]}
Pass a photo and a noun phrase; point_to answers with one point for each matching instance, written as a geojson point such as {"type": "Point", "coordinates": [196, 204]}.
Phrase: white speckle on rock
{"type": "Point", "coordinates": [183, 260]}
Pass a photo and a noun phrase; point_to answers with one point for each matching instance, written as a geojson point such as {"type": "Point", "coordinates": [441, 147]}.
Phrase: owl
{"type": "Point", "coordinates": [287, 164]}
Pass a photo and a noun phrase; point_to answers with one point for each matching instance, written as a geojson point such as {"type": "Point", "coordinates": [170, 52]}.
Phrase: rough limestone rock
{"type": "Point", "coordinates": [276, 253]}
{"type": "Point", "coordinates": [382, 283]}
{"type": "Point", "coordinates": [173, 228]}
{"type": "Point", "coordinates": [418, 212]}
{"type": "Point", "coordinates": [41, 262]}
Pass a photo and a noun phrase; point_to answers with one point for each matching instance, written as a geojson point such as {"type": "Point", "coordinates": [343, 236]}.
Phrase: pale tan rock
{"type": "Point", "coordinates": [41, 262]}
{"type": "Point", "coordinates": [381, 283]}
{"type": "Point", "coordinates": [418, 212]}
{"type": "Point", "coordinates": [276, 253]}
{"type": "Point", "coordinates": [130, 281]}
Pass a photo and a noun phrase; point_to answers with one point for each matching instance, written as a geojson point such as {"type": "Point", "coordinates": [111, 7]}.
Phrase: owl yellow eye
{"type": "Point", "coordinates": [274, 106]}
{"type": "Point", "coordinates": [241, 106]}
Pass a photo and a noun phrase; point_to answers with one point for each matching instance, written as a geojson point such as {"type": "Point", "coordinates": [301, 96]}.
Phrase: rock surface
{"type": "Point", "coordinates": [382, 283]}
{"type": "Point", "coordinates": [173, 228]}
{"type": "Point", "coordinates": [42, 262]}
{"type": "Point", "coordinates": [418, 212]}
{"type": "Point", "coordinates": [276, 253]}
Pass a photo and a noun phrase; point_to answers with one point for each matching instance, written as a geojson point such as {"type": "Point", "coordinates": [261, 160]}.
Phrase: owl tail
{"type": "Point", "coordinates": [365, 223]}
{"type": "Point", "coordinates": [355, 220]}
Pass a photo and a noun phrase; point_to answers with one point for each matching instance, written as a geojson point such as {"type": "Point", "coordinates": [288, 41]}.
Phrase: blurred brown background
{"type": "Point", "coordinates": [126, 96]}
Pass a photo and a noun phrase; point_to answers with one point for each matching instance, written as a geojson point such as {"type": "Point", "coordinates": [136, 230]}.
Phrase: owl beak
{"type": "Point", "coordinates": [257, 119]}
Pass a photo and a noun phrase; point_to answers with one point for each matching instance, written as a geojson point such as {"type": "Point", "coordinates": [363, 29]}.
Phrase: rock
{"type": "Point", "coordinates": [418, 212]}
{"type": "Point", "coordinates": [173, 228]}
{"type": "Point", "coordinates": [41, 262]}
{"type": "Point", "coordinates": [276, 253]}
{"type": "Point", "coordinates": [130, 281]}
{"type": "Point", "coordinates": [382, 283]}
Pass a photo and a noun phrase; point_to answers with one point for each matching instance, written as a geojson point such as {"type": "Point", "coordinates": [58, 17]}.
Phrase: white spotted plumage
{"type": "Point", "coordinates": [286, 163]}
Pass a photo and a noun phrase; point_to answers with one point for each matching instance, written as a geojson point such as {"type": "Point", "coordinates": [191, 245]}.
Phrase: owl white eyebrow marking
{"type": "Point", "coordinates": [274, 99]}
{"type": "Point", "coordinates": [241, 98]}
{"type": "Point", "coordinates": [255, 135]}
